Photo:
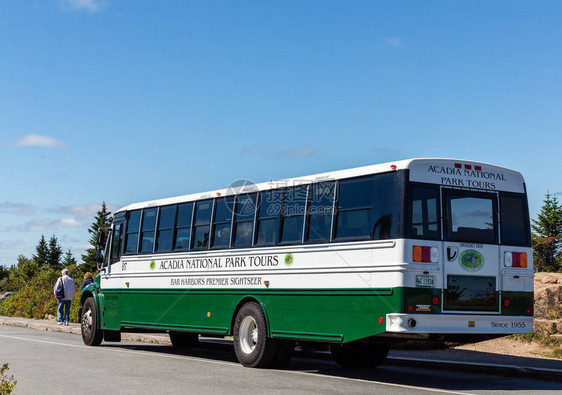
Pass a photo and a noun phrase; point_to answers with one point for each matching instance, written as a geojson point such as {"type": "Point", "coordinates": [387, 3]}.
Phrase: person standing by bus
{"type": "Point", "coordinates": [87, 280]}
{"type": "Point", "coordinates": [63, 312]}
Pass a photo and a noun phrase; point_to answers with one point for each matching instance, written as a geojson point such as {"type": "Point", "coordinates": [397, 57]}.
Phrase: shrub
{"type": "Point", "coordinates": [7, 384]}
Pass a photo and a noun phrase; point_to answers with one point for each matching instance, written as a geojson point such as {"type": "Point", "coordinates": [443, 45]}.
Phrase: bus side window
{"type": "Point", "coordinates": [424, 221]}
{"type": "Point", "coordinates": [117, 242]}
{"type": "Point", "coordinates": [148, 229]}
{"type": "Point", "coordinates": [355, 209]}
{"type": "Point", "coordinates": [182, 238]}
{"type": "Point", "coordinates": [271, 203]}
{"type": "Point", "coordinates": [224, 209]}
{"type": "Point", "coordinates": [132, 239]}
{"type": "Point", "coordinates": [294, 205]}
{"type": "Point", "coordinates": [386, 210]}
{"type": "Point", "coordinates": [165, 234]}
{"type": "Point", "coordinates": [244, 214]}
{"type": "Point", "coordinates": [319, 215]}
{"type": "Point", "coordinates": [202, 224]}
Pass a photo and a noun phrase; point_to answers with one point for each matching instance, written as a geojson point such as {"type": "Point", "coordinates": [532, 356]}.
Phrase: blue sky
{"type": "Point", "coordinates": [91, 109]}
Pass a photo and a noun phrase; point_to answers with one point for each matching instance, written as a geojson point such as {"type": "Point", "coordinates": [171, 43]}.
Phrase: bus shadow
{"type": "Point", "coordinates": [321, 364]}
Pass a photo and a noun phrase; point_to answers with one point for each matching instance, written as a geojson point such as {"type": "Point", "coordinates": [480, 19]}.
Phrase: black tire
{"type": "Point", "coordinates": [283, 354]}
{"type": "Point", "coordinates": [183, 339]}
{"type": "Point", "coordinates": [252, 346]}
{"type": "Point", "coordinates": [354, 355]}
{"type": "Point", "coordinates": [91, 334]}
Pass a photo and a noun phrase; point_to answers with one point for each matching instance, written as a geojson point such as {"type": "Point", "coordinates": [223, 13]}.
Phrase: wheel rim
{"type": "Point", "coordinates": [87, 322]}
{"type": "Point", "coordinates": [248, 335]}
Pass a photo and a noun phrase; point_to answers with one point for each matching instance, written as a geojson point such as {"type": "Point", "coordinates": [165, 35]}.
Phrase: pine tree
{"type": "Point", "coordinates": [41, 255]}
{"type": "Point", "coordinates": [547, 236]}
{"type": "Point", "coordinates": [26, 268]}
{"type": "Point", "coordinates": [102, 221]}
{"type": "Point", "coordinates": [68, 259]}
{"type": "Point", "coordinates": [55, 253]}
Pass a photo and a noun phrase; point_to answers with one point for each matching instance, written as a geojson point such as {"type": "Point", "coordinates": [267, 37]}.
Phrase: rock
{"type": "Point", "coordinates": [549, 280]}
{"type": "Point", "coordinates": [559, 326]}
{"type": "Point", "coordinates": [50, 317]}
{"type": "Point", "coordinates": [548, 302]}
{"type": "Point", "coordinates": [544, 327]}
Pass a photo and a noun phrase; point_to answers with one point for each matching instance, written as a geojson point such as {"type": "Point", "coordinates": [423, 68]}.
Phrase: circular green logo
{"type": "Point", "coordinates": [152, 264]}
{"type": "Point", "coordinates": [471, 260]}
{"type": "Point", "coordinates": [288, 259]}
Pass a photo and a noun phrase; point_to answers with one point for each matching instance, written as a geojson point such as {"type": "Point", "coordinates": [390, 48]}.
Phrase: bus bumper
{"type": "Point", "coordinates": [458, 324]}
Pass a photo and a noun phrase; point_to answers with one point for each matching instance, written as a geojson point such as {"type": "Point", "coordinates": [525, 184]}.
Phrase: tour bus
{"type": "Point", "coordinates": [354, 259]}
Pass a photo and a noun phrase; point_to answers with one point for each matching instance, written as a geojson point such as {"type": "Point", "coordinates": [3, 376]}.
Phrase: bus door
{"type": "Point", "coordinates": [471, 251]}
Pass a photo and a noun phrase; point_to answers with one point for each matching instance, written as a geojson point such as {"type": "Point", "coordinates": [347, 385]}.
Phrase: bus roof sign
{"type": "Point", "coordinates": [465, 174]}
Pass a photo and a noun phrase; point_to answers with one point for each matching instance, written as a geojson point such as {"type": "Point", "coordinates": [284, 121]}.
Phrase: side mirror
{"type": "Point", "coordinates": [100, 239]}
{"type": "Point", "coordinates": [99, 257]}
{"type": "Point", "coordinates": [100, 249]}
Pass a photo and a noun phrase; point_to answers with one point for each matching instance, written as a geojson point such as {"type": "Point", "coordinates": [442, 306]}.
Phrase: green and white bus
{"type": "Point", "coordinates": [356, 258]}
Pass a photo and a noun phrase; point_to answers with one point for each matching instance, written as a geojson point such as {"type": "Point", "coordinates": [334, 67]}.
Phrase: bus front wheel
{"type": "Point", "coordinates": [91, 334]}
{"type": "Point", "coordinates": [252, 346]}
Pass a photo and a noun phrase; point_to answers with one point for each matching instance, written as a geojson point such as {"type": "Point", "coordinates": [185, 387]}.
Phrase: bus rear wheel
{"type": "Point", "coordinates": [91, 334]}
{"type": "Point", "coordinates": [252, 346]}
{"type": "Point", "coordinates": [358, 354]}
{"type": "Point", "coordinates": [184, 339]}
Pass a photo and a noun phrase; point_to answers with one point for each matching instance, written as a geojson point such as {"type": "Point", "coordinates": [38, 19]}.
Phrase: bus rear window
{"type": "Point", "coordinates": [470, 217]}
{"type": "Point", "coordinates": [514, 220]}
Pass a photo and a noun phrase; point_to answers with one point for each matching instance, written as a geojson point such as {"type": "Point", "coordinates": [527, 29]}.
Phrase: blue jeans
{"type": "Point", "coordinates": [64, 308]}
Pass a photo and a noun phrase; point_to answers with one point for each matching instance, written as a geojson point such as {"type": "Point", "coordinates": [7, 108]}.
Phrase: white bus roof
{"type": "Point", "coordinates": [447, 172]}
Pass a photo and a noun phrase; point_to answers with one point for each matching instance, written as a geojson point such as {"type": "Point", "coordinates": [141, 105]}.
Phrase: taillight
{"type": "Point", "coordinates": [506, 302]}
{"type": "Point", "coordinates": [435, 301]}
{"type": "Point", "coordinates": [425, 254]}
{"type": "Point", "coordinates": [528, 311]}
{"type": "Point", "coordinates": [515, 259]}
{"type": "Point", "coordinates": [410, 308]}
{"type": "Point", "coordinates": [523, 259]}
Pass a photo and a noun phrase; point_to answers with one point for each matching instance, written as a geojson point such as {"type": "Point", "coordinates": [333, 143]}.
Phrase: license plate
{"type": "Point", "coordinates": [425, 281]}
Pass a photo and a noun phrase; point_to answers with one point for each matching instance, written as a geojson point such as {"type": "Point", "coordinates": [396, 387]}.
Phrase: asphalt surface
{"type": "Point", "coordinates": [48, 362]}
{"type": "Point", "coordinates": [437, 370]}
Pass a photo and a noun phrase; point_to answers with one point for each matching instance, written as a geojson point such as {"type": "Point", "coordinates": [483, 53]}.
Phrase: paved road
{"type": "Point", "coordinates": [54, 363]}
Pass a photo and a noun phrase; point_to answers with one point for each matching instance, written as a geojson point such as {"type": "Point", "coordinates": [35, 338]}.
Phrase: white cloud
{"type": "Point", "coordinates": [12, 245]}
{"type": "Point", "coordinates": [392, 42]}
{"type": "Point", "coordinates": [48, 225]}
{"type": "Point", "coordinates": [83, 5]}
{"type": "Point", "coordinates": [299, 152]}
{"type": "Point", "coordinates": [16, 208]}
{"type": "Point", "coordinates": [85, 211]}
{"type": "Point", "coordinates": [37, 225]}
{"type": "Point", "coordinates": [71, 222]}
{"type": "Point", "coordinates": [35, 140]}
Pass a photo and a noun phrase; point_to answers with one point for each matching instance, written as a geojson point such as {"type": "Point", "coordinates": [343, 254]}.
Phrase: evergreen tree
{"type": "Point", "coordinates": [4, 272]}
{"type": "Point", "coordinates": [68, 259]}
{"type": "Point", "coordinates": [102, 221]}
{"type": "Point", "coordinates": [55, 253]}
{"type": "Point", "coordinates": [26, 269]}
{"type": "Point", "coordinates": [41, 256]}
{"type": "Point", "coordinates": [547, 232]}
